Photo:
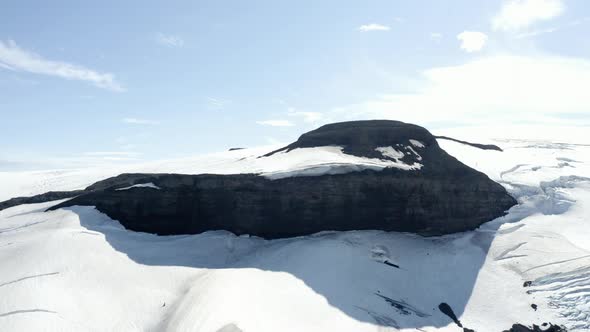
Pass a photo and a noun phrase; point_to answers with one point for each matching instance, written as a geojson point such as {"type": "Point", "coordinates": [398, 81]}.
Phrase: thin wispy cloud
{"type": "Point", "coordinates": [15, 58]}
{"type": "Point", "coordinates": [112, 154]}
{"type": "Point", "coordinates": [169, 40]}
{"type": "Point", "coordinates": [436, 36]}
{"type": "Point", "coordinates": [373, 27]}
{"type": "Point", "coordinates": [472, 41]}
{"type": "Point", "coordinates": [535, 33]}
{"type": "Point", "coordinates": [5, 66]}
{"type": "Point", "coordinates": [96, 156]}
{"type": "Point", "coordinates": [140, 121]}
{"type": "Point", "coordinates": [308, 117]}
{"type": "Point", "coordinates": [276, 123]}
{"type": "Point", "coordinates": [538, 32]}
{"type": "Point", "coordinates": [520, 14]}
{"type": "Point", "coordinates": [217, 103]}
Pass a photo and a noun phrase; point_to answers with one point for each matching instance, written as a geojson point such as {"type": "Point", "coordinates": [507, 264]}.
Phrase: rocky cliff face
{"type": "Point", "coordinates": [435, 195]}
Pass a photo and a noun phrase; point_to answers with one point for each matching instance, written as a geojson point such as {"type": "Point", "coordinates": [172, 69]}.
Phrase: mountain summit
{"type": "Point", "coordinates": [384, 175]}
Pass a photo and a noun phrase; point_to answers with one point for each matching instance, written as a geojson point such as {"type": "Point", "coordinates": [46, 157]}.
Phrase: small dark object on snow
{"type": "Point", "coordinates": [527, 284]}
{"type": "Point", "coordinates": [534, 306]}
{"type": "Point", "coordinates": [391, 264]}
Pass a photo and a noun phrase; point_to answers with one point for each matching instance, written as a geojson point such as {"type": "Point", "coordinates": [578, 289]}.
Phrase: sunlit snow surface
{"type": "Point", "coordinates": [76, 270]}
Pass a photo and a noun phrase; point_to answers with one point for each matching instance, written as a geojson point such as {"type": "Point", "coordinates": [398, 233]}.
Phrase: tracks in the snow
{"type": "Point", "coordinates": [506, 253]}
{"type": "Point", "coordinates": [28, 277]}
{"type": "Point", "coordinates": [25, 311]}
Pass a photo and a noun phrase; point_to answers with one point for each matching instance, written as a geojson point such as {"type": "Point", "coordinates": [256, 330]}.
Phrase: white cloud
{"type": "Point", "coordinates": [373, 27]}
{"type": "Point", "coordinates": [436, 36]}
{"type": "Point", "coordinates": [275, 123]}
{"type": "Point", "coordinates": [140, 121]}
{"type": "Point", "coordinates": [308, 117]}
{"type": "Point", "coordinates": [169, 40]}
{"type": "Point", "coordinates": [519, 14]}
{"type": "Point", "coordinates": [504, 89]}
{"type": "Point", "coordinates": [12, 57]}
{"type": "Point", "coordinates": [472, 41]}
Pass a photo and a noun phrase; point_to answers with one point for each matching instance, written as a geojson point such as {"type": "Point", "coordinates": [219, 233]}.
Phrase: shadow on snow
{"type": "Point", "coordinates": [389, 279]}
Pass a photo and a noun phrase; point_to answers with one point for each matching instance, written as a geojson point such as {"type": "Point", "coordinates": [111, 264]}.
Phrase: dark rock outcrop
{"type": "Point", "coordinates": [46, 197]}
{"type": "Point", "coordinates": [360, 138]}
{"type": "Point", "coordinates": [546, 327]}
{"type": "Point", "coordinates": [444, 196]}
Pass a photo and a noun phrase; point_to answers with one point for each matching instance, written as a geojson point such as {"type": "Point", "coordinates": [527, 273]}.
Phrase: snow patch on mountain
{"type": "Point", "coordinates": [325, 160]}
{"type": "Point", "coordinates": [416, 143]}
{"type": "Point", "coordinates": [396, 155]}
{"type": "Point", "coordinates": [390, 152]}
{"type": "Point", "coordinates": [141, 185]}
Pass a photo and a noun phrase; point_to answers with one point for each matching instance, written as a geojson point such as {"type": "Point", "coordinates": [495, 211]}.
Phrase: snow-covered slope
{"type": "Point", "coordinates": [77, 270]}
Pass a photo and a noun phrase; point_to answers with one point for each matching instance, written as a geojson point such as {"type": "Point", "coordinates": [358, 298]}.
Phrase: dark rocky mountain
{"type": "Point", "coordinates": [360, 138]}
{"type": "Point", "coordinates": [443, 196]}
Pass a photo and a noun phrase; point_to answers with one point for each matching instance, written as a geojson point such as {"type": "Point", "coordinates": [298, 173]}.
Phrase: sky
{"type": "Point", "coordinates": [122, 81]}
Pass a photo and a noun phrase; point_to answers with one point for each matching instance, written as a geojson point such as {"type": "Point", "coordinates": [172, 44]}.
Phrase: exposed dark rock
{"type": "Point", "coordinates": [444, 196]}
{"type": "Point", "coordinates": [475, 145]}
{"type": "Point", "coordinates": [534, 306]}
{"type": "Point", "coordinates": [390, 200]}
{"type": "Point", "coordinates": [537, 328]}
{"type": "Point", "coordinates": [235, 149]}
{"type": "Point", "coordinates": [527, 284]}
{"type": "Point", "coordinates": [46, 197]}
{"type": "Point", "coordinates": [360, 138]}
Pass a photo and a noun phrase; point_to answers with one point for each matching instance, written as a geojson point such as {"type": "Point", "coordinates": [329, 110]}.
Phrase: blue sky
{"type": "Point", "coordinates": [127, 80]}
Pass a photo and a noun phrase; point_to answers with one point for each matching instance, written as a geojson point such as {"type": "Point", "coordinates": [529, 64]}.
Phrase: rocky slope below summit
{"type": "Point", "coordinates": [400, 180]}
